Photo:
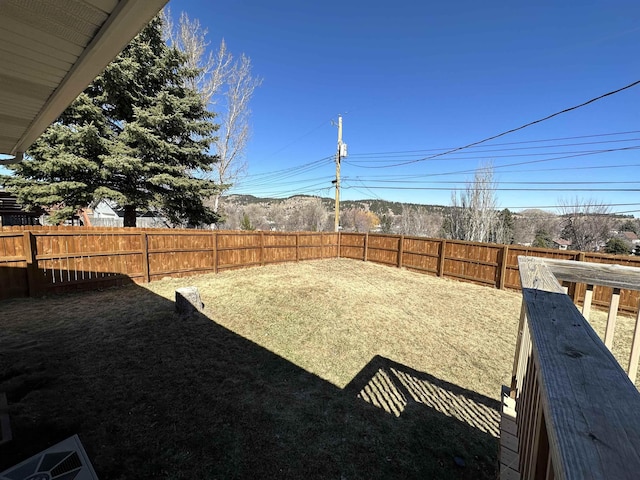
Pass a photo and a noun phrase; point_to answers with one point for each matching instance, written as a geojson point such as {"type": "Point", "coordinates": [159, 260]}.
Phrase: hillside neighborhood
{"type": "Point", "coordinates": [616, 234]}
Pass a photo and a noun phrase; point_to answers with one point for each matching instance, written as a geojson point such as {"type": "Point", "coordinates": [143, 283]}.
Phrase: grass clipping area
{"type": "Point", "coordinates": [324, 369]}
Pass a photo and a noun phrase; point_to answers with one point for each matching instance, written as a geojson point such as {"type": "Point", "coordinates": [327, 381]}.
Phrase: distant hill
{"type": "Point", "coordinates": [379, 207]}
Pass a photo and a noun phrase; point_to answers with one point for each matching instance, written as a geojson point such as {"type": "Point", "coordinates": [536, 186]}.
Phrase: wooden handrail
{"type": "Point", "coordinates": [614, 276]}
{"type": "Point", "coordinates": [578, 413]}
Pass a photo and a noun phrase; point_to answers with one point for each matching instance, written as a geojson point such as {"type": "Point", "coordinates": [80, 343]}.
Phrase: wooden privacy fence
{"type": "Point", "coordinates": [484, 263]}
{"type": "Point", "coordinates": [38, 260]}
{"type": "Point", "coordinates": [572, 412]}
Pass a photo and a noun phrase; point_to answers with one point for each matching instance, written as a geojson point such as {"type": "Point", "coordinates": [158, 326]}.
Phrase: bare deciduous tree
{"type": "Point", "coordinates": [529, 223]}
{"type": "Point", "coordinates": [226, 84]}
{"type": "Point", "coordinates": [190, 38]}
{"type": "Point", "coordinates": [307, 215]}
{"type": "Point", "coordinates": [586, 222]}
{"type": "Point", "coordinates": [419, 222]}
{"type": "Point", "coordinates": [473, 215]}
{"type": "Point", "coordinates": [359, 220]}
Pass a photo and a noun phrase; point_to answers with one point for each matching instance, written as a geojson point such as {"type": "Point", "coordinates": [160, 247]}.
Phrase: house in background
{"type": "Point", "coordinates": [12, 213]}
{"type": "Point", "coordinates": [630, 238]}
{"type": "Point", "coordinates": [108, 214]}
{"type": "Point", "coordinates": [561, 243]}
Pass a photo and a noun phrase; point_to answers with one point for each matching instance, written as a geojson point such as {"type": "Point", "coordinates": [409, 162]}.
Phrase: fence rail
{"type": "Point", "coordinates": [40, 260]}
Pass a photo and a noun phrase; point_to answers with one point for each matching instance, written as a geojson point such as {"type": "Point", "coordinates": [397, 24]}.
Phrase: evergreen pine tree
{"type": "Point", "coordinates": [133, 136]}
{"type": "Point", "coordinates": [618, 246]}
{"type": "Point", "coordinates": [245, 223]}
{"type": "Point", "coordinates": [542, 239]}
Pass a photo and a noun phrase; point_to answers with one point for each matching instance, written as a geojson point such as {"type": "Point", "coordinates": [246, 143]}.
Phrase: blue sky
{"type": "Point", "coordinates": [434, 75]}
{"type": "Point", "coordinates": [416, 78]}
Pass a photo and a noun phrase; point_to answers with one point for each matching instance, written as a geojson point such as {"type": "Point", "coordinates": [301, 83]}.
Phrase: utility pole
{"type": "Point", "coordinates": [340, 153]}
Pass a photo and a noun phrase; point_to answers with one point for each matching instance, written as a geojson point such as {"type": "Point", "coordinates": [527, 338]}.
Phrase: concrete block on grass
{"type": "Point", "coordinates": [188, 301]}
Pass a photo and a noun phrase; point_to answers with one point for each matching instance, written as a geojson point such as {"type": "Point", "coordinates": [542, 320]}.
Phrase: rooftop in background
{"type": "Point", "coordinates": [11, 213]}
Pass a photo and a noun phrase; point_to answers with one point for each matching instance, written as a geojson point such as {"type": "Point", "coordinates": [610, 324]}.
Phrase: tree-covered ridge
{"type": "Point", "coordinates": [134, 136]}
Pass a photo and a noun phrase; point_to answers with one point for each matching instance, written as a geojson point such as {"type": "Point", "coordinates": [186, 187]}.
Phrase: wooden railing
{"type": "Point", "coordinates": [572, 410]}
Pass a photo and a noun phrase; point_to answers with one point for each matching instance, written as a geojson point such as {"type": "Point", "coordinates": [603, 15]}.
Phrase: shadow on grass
{"type": "Point", "coordinates": [154, 396]}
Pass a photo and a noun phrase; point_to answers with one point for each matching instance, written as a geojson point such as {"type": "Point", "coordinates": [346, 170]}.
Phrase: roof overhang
{"type": "Point", "coordinates": [50, 52]}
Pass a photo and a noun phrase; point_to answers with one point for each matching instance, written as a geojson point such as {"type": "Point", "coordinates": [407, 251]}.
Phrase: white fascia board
{"type": "Point", "coordinates": [125, 22]}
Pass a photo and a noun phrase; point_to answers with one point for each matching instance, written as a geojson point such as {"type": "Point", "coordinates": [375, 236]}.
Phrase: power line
{"type": "Point", "coordinates": [383, 159]}
{"type": "Point", "coordinates": [277, 192]}
{"type": "Point", "coordinates": [496, 167]}
{"type": "Point", "coordinates": [593, 167]}
{"type": "Point", "coordinates": [283, 184]}
{"type": "Point", "coordinates": [271, 177]}
{"type": "Point", "coordinates": [580, 152]}
{"type": "Point", "coordinates": [325, 122]}
{"type": "Point", "coordinates": [540, 120]}
{"type": "Point", "coordinates": [500, 189]}
{"type": "Point", "coordinates": [294, 168]}
{"type": "Point", "coordinates": [523, 142]}
{"type": "Point", "coordinates": [528, 207]}
{"type": "Point", "coordinates": [557, 169]}
{"type": "Point", "coordinates": [624, 182]}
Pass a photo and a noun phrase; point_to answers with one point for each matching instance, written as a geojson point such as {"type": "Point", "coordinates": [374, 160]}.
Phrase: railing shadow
{"type": "Point", "coordinates": [397, 389]}
{"type": "Point", "coordinates": [155, 396]}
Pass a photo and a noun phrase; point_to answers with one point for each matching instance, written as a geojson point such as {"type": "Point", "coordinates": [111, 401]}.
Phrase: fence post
{"type": "Point", "coordinates": [339, 243]}
{"type": "Point", "coordinates": [262, 248]}
{"type": "Point", "coordinates": [31, 251]}
{"type": "Point", "coordinates": [321, 245]}
{"type": "Point", "coordinates": [297, 247]}
{"type": "Point", "coordinates": [366, 246]}
{"type": "Point", "coordinates": [400, 250]}
{"type": "Point", "coordinates": [441, 258]}
{"type": "Point", "coordinates": [215, 252]}
{"type": "Point", "coordinates": [144, 242]}
{"type": "Point", "coordinates": [502, 272]}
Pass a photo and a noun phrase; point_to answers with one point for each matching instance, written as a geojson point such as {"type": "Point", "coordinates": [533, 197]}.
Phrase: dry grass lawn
{"type": "Point", "coordinates": [325, 369]}
{"type": "Point", "coordinates": [332, 317]}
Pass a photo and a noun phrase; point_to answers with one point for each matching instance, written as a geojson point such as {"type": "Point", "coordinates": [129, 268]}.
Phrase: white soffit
{"type": "Point", "coordinates": [51, 50]}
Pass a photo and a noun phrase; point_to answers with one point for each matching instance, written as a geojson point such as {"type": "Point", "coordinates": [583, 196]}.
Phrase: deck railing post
{"type": "Point", "coordinates": [588, 298]}
{"type": "Point", "coordinates": [522, 324]}
{"type": "Point", "coordinates": [635, 350]}
{"type": "Point", "coordinates": [611, 318]}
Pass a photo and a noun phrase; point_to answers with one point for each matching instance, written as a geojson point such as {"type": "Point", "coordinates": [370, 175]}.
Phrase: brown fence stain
{"type": "Point", "coordinates": [38, 260]}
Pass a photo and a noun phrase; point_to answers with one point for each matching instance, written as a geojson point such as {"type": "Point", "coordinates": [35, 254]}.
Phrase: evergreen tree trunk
{"type": "Point", "coordinates": [129, 215]}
